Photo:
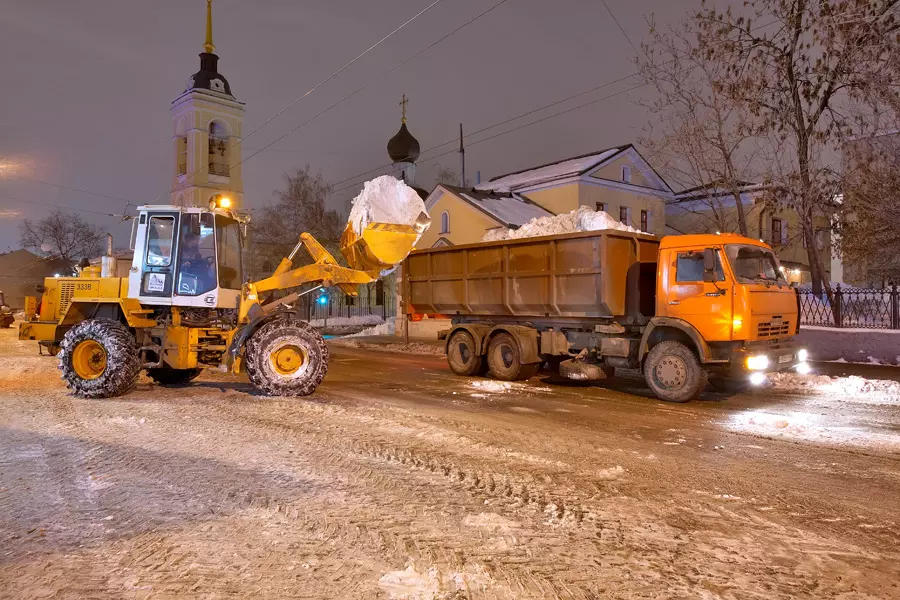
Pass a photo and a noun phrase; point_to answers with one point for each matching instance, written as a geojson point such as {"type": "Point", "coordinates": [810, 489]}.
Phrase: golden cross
{"type": "Point", "coordinates": [403, 104]}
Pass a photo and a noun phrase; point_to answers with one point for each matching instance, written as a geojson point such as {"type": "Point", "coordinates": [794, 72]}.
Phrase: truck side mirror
{"type": "Point", "coordinates": [709, 265]}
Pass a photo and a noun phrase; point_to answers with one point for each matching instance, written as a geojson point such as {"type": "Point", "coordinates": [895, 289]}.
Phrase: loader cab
{"type": "Point", "coordinates": [188, 257]}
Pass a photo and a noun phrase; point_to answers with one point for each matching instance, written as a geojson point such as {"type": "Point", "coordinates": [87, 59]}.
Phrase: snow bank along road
{"type": "Point", "coordinates": [399, 480]}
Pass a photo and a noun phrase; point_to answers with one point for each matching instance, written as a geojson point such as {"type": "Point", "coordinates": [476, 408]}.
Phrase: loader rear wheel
{"type": "Point", "coordinates": [99, 359]}
{"type": "Point", "coordinates": [286, 357]}
{"type": "Point", "coordinates": [503, 359]}
{"type": "Point", "coordinates": [673, 372]}
{"type": "Point", "coordinates": [462, 356]}
{"type": "Point", "coordinates": [169, 376]}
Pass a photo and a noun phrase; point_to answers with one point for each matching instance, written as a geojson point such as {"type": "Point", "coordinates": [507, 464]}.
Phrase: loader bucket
{"type": "Point", "coordinates": [381, 245]}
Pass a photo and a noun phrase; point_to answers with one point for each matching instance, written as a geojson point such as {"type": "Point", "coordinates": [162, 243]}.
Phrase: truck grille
{"type": "Point", "coordinates": [66, 291]}
{"type": "Point", "coordinates": [774, 328]}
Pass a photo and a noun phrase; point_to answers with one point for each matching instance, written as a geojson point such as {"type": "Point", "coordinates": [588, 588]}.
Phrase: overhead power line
{"type": "Point", "coordinates": [371, 81]}
{"type": "Point", "coordinates": [330, 77]}
{"type": "Point", "coordinates": [619, 25]}
{"type": "Point", "coordinates": [66, 208]}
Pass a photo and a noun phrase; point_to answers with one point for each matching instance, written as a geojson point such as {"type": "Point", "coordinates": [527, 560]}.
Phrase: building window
{"type": "Point", "coordinates": [626, 174]}
{"type": "Point", "coordinates": [777, 238]}
{"type": "Point", "coordinates": [601, 207]}
{"type": "Point", "coordinates": [624, 216]}
{"type": "Point", "coordinates": [218, 150]}
{"type": "Point", "coordinates": [445, 222]}
{"type": "Point", "coordinates": [182, 156]}
{"type": "Point", "coordinates": [645, 220]}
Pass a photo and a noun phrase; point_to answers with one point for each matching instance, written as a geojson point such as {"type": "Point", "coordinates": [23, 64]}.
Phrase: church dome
{"type": "Point", "coordinates": [403, 147]}
{"type": "Point", "coordinates": [208, 77]}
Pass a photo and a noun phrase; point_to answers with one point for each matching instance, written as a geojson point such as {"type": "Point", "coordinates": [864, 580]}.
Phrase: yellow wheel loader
{"type": "Point", "coordinates": [184, 304]}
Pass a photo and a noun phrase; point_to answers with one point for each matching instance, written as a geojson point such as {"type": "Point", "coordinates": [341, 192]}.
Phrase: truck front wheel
{"type": "Point", "coordinates": [462, 355]}
{"type": "Point", "coordinates": [673, 372]}
{"type": "Point", "coordinates": [503, 359]}
{"type": "Point", "coordinates": [286, 357]}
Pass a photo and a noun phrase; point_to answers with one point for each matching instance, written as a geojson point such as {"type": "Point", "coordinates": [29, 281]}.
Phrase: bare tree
{"type": "Point", "coordinates": [448, 176]}
{"type": "Point", "coordinates": [797, 66]}
{"type": "Point", "coordinates": [871, 207]}
{"type": "Point", "coordinates": [300, 207]}
{"type": "Point", "coordinates": [697, 137]}
{"type": "Point", "coordinates": [66, 234]}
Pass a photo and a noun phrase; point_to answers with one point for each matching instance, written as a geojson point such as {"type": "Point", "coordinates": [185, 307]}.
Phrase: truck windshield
{"type": "Point", "coordinates": [752, 263]}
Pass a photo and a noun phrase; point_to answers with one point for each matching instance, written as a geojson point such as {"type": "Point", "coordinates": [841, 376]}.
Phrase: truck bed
{"type": "Point", "coordinates": [593, 274]}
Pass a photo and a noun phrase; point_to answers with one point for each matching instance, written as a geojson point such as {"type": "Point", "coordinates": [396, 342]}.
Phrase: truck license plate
{"type": "Point", "coordinates": [785, 359]}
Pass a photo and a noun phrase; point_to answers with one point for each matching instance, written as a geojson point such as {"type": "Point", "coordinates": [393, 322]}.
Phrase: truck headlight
{"type": "Point", "coordinates": [802, 355]}
{"type": "Point", "coordinates": [758, 363]}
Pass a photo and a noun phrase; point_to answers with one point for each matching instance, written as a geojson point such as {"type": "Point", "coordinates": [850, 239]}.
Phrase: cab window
{"type": "Point", "coordinates": [159, 241]}
{"type": "Point", "coordinates": [197, 262]}
{"type": "Point", "coordinates": [229, 245]}
{"type": "Point", "coordinates": [689, 267]}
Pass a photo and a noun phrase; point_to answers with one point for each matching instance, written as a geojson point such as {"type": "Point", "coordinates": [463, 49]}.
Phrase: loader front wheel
{"type": "Point", "coordinates": [99, 359]}
{"type": "Point", "coordinates": [286, 357]}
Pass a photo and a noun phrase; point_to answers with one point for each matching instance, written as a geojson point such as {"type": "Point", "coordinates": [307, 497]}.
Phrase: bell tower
{"type": "Point", "coordinates": [207, 122]}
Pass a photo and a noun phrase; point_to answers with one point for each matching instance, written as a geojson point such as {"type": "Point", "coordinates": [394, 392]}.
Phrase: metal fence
{"type": "Point", "coordinates": [852, 308]}
{"type": "Point", "coordinates": [322, 305]}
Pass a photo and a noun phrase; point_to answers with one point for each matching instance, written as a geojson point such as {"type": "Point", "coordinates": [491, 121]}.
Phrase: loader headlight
{"type": "Point", "coordinates": [758, 378]}
{"type": "Point", "coordinates": [802, 355]}
{"type": "Point", "coordinates": [758, 363]}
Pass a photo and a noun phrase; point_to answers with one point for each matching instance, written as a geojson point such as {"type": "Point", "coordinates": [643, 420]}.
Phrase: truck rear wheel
{"type": "Point", "coordinates": [673, 372]}
{"type": "Point", "coordinates": [462, 355]}
{"type": "Point", "coordinates": [286, 357]}
{"type": "Point", "coordinates": [99, 359]}
{"type": "Point", "coordinates": [169, 376]}
{"type": "Point", "coordinates": [503, 359]}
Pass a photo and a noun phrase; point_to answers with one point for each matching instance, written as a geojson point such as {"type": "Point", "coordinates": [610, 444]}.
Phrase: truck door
{"type": "Point", "coordinates": [157, 273]}
{"type": "Point", "coordinates": [707, 305]}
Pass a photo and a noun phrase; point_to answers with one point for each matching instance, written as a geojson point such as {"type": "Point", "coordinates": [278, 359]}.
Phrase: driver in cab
{"type": "Point", "coordinates": [194, 263]}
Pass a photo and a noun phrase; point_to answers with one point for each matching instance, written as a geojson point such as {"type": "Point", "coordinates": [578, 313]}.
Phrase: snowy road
{"type": "Point", "coordinates": [399, 480]}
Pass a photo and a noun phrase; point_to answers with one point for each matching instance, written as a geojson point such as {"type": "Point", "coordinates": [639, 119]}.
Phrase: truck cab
{"type": "Point", "coordinates": [733, 292]}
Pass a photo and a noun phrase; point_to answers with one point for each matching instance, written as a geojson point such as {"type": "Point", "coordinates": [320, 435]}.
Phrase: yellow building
{"type": "Point", "coordinates": [616, 180]}
{"type": "Point", "coordinates": [708, 209]}
{"type": "Point", "coordinates": [207, 122]}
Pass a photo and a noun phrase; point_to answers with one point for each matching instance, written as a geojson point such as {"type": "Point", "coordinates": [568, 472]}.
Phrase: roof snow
{"type": "Point", "coordinates": [559, 170]}
{"type": "Point", "coordinates": [510, 210]}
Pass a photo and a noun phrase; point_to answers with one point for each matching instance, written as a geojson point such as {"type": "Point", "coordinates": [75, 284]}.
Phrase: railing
{"type": "Point", "coordinates": [321, 306]}
{"type": "Point", "coordinates": [852, 308]}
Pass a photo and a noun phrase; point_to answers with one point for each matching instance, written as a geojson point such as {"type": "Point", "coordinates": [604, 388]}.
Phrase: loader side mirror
{"type": "Point", "coordinates": [195, 224]}
{"type": "Point", "coordinates": [709, 265]}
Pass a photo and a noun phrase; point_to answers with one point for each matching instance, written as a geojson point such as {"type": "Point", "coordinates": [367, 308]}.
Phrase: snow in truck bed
{"type": "Point", "coordinates": [582, 219]}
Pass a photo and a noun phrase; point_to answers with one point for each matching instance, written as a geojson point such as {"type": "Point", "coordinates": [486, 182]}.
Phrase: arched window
{"type": "Point", "coordinates": [445, 222]}
{"type": "Point", "coordinates": [218, 149]}
{"type": "Point", "coordinates": [181, 146]}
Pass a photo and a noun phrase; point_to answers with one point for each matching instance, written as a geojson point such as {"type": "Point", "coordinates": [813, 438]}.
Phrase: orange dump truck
{"type": "Point", "coordinates": [682, 309]}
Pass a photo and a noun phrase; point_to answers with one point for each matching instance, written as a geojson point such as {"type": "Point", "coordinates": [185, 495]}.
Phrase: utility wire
{"type": "Point", "coordinates": [529, 124]}
{"type": "Point", "coordinates": [498, 124]}
{"type": "Point", "coordinates": [72, 189]}
{"type": "Point", "coordinates": [373, 80]}
{"type": "Point", "coordinates": [67, 208]}
{"type": "Point", "coordinates": [327, 79]}
{"type": "Point", "coordinates": [622, 29]}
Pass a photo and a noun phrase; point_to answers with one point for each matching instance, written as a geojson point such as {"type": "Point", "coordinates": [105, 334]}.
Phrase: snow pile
{"type": "Point", "coordinates": [385, 199]}
{"type": "Point", "coordinates": [417, 348]}
{"type": "Point", "coordinates": [345, 322]}
{"type": "Point", "coordinates": [490, 385]}
{"type": "Point", "coordinates": [582, 219]}
{"type": "Point", "coordinates": [846, 387]}
{"type": "Point", "coordinates": [386, 328]}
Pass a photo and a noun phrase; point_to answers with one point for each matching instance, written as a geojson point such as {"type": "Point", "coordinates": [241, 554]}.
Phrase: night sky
{"type": "Point", "coordinates": [87, 85]}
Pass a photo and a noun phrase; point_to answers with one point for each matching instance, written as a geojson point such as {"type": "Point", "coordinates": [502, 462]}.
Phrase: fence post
{"type": "Point", "coordinates": [895, 307]}
{"type": "Point", "coordinates": [838, 297]}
